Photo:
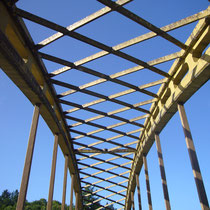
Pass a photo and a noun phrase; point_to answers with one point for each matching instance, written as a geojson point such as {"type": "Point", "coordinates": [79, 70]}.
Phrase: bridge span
{"type": "Point", "coordinates": [106, 107]}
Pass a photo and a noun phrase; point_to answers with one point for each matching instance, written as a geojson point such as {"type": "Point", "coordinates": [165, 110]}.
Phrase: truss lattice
{"type": "Point", "coordinates": [107, 114]}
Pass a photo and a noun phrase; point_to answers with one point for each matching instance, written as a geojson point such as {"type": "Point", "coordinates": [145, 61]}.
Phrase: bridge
{"type": "Point", "coordinates": [107, 109]}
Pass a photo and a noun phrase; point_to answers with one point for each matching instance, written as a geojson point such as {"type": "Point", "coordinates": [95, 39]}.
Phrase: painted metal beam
{"type": "Point", "coordinates": [101, 161]}
{"type": "Point", "coordinates": [141, 21]}
{"type": "Point", "coordinates": [193, 158]}
{"type": "Point", "coordinates": [28, 159]}
{"type": "Point", "coordinates": [109, 204]}
{"type": "Point", "coordinates": [147, 182]}
{"type": "Point", "coordinates": [104, 140]}
{"type": "Point", "coordinates": [64, 182]}
{"type": "Point", "coordinates": [100, 139]}
{"type": "Point", "coordinates": [105, 151]}
{"type": "Point", "coordinates": [97, 200]}
{"type": "Point", "coordinates": [162, 172]}
{"type": "Point", "coordinates": [80, 37]}
{"type": "Point", "coordinates": [132, 200]}
{"type": "Point", "coordinates": [137, 40]}
{"type": "Point", "coordinates": [100, 187]}
{"type": "Point", "coordinates": [80, 23]}
{"type": "Point", "coordinates": [138, 191]}
{"type": "Point", "coordinates": [72, 192]}
{"type": "Point", "coordinates": [52, 176]}
{"type": "Point", "coordinates": [102, 170]}
{"type": "Point", "coordinates": [104, 179]}
{"type": "Point", "coordinates": [105, 198]}
{"type": "Point", "coordinates": [88, 122]}
{"type": "Point", "coordinates": [108, 178]}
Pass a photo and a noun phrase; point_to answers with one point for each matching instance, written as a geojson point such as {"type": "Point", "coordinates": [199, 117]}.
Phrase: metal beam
{"type": "Point", "coordinates": [111, 177]}
{"type": "Point", "coordinates": [147, 183]}
{"type": "Point", "coordinates": [105, 161]}
{"type": "Point", "coordinates": [64, 182]}
{"type": "Point", "coordinates": [103, 127]}
{"type": "Point", "coordinates": [105, 151]}
{"type": "Point", "coordinates": [106, 98]}
{"type": "Point", "coordinates": [96, 154]}
{"type": "Point", "coordinates": [101, 151]}
{"type": "Point", "coordinates": [98, 112]}
{"type": "Point", "coordinates": [138, 190]}
{"type": "Point", "coordinates": [52, 176]}
{"type": "Point", "coordinates": [101, 170]}
{"type": "Point", "coordinates": [193, 158]}
{"type": "Point", "coordinates": [162, 172]}
{"type": "Point", "coordinates": [109, 204]}
{"type": "Point", "coordinates": [114, 185]}
{"type": "Point", "coordinates": [141, 21]}
{"type": "Point", "coordinates": [28, 159]}
{"type": "Point", "coordinates": [136, 40]}
{"type": "Point", "coordinates": [102, 179]}
{"type": "Point", "coordinates": [103, 188]}
{"type": "Point", "coordinates": [76, 201]}
{"type": "Point", "coordinates": [98, 138]}
{"type": "Point", "coordinates": [132, 200]}
{"type": "Point", "coordinates": [105, 198]}
{"type": "Point", "coordinates": [80, 23]}
{"type": "Point", "coordinates": [72, 192]}
{"type": "Point", "coordinates": [104, 140]}
{"type": "Point", "coordinates": [80, 37]}
{"type": "Point", "coordinates": [113, 194]}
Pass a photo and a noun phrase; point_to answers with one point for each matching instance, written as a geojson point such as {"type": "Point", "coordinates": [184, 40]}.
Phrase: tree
{"type": "Point", "coordinates": [39, 205]}
{"type": "Point", "coordinates": [110, 207]}
{"type": "Point", "coordinates": [91, 199]}
{"type": "Point", "coordinates": [8, 201]}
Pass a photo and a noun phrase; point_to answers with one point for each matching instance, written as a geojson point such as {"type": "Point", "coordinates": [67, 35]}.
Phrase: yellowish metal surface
{"type": "Point", "coordinates": [188, 73]}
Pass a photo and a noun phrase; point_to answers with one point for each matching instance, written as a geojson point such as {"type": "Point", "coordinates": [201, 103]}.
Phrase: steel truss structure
{"type": "Point", "coordinates": [100, 148]}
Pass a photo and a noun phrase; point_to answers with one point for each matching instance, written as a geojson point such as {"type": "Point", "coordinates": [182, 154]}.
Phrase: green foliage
{"type": "Point", "coordinates": [8, 202]}
{"type": "Point", "coordinates": [39, 205]}
{"type": "Point", "coordinates": [90, 198]}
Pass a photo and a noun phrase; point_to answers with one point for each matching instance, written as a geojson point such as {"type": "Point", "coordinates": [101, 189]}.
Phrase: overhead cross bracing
{"type": "Point", "coordinates": [107, 109]}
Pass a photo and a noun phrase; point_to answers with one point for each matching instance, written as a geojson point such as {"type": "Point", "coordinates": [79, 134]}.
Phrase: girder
{"type": "Point", "coordinates": [103, 140]}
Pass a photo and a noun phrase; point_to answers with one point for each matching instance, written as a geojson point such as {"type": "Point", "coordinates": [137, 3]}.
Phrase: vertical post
{"type": "Point", "coordinates": [64, 183]}
{"type": "Point", "coordinates": [72, 190]}
{"type": "Point", "coordinates": [28, 159]}
{"type": "Point", "coordinates": [138, 190]}
{"type": "Point", "coordinates": [77, 201]}
{"type": "Point", "coordinates": [52, 176]}
{"type": "Point", "coordinates": [147, 182]}
{"type": "Point", "coordinates": [193, 158]}
{"type": "Point", "coordinates": [132, 200]}
{"type": "Point", "coordinates": [162, 172]}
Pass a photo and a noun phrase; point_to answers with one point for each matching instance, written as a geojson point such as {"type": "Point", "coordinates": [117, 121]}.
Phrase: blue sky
{"type": "Point", "coordinates": [16, 110]}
